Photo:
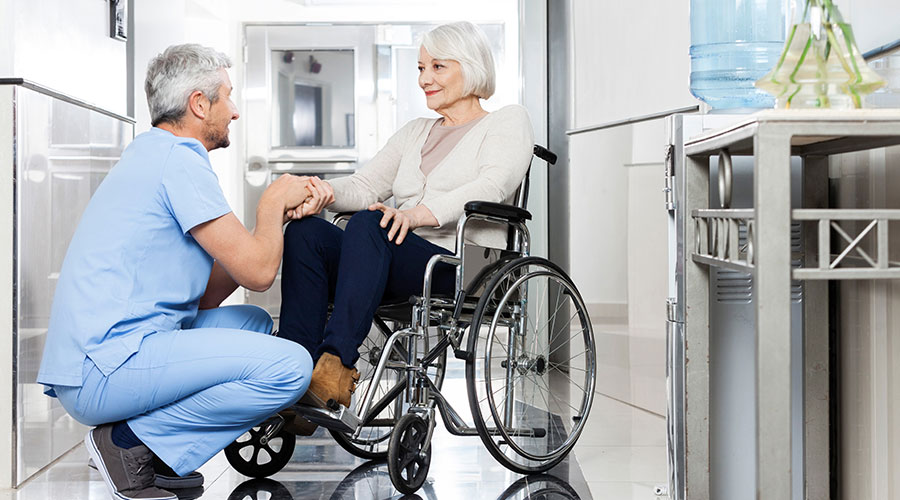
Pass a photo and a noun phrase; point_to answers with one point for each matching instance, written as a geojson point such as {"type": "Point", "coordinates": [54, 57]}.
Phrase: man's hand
{"type": "Point", "coordinates": [403, 220]}
{"type": "Point", "coordinates": [321, 195]}
{"type": "Point", "coordinates": [289, 191]}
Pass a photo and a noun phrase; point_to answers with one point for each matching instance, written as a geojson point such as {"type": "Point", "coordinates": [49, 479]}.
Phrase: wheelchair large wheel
{"type": "Point", "coordinates": [531, 367]}
{"type": "Point", "coordinates": [374, 438]}
{"type": "Point", "coordinates": [409, 455]}
{"type": "Point", "coordinates": [252, 454]}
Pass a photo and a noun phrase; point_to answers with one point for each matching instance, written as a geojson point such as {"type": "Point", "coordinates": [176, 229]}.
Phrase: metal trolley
{"type": "Point", "coordinates": [523, 331]}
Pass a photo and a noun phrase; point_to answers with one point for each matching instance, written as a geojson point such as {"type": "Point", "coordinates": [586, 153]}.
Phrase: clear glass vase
{"type": "Point", "coordinates": [821, 66]}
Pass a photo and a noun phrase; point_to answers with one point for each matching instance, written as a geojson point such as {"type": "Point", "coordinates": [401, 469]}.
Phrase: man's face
{"type": "Point", "coordinates": [221, 113]}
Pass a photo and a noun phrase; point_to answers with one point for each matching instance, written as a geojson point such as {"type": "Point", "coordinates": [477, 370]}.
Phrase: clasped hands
{"type": "Point", "coordinates": [320, 195]}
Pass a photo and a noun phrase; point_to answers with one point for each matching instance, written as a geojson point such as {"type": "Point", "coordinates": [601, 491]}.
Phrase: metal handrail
{"type": "Point", "coordinates": [30, 85]}
{"type": "Point", "coordinates": [882, 51]}
{"type": "Point", "coordinates": [637, 119]}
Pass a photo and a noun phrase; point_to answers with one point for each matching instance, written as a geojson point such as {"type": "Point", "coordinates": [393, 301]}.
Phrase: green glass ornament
{"type": "Point", "coordinates": [821, 66]}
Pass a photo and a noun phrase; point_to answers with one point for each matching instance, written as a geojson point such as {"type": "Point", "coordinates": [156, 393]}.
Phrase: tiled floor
{"type": "Point", "coordinates": [620, 455]}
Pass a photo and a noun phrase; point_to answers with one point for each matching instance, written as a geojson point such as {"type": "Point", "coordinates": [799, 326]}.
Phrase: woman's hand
{"type": "Point", "coordinates": [403, 220]}
{"type": "Point", "coordinates": [320, 196]}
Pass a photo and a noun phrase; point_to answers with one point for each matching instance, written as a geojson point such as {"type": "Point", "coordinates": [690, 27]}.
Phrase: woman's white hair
{"type": "Point", "coordinates": [466, 44]}
{"type": "Point", "coordinates": [176, 73]}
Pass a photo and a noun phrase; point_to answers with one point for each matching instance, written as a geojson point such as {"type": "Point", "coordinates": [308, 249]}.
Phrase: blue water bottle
{"type": "Point", "coordinates": [733, 44]}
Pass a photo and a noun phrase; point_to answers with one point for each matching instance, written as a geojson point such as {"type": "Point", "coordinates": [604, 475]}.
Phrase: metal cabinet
{"type": "Point", "coordinates": [59, 150]}
{"type": "Point", "coordinates": [758, 241]}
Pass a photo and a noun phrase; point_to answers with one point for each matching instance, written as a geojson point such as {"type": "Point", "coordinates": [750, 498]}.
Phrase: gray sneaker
{"type": "Point", "coordinates": [128, 473]}
{"type": "Point", "coordinates": [166, 477]}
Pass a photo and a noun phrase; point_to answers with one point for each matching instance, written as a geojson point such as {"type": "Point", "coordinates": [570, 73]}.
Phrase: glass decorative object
{"type": "Point", "coordinates": [821, 66]}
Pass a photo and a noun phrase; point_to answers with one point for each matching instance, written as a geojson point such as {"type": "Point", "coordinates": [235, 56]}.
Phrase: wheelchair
{"type": "Point", "coordinates": [523, 332]}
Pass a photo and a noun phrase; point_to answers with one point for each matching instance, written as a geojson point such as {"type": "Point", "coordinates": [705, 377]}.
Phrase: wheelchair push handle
{"type": "Point", "coordinates": [545, 154]}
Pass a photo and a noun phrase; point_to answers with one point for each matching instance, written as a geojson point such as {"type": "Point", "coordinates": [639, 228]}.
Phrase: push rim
{"type": "Point", "coordinates": [546, 386]}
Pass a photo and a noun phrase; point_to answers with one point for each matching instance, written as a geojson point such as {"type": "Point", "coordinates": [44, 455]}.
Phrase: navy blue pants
{"type": "Point", "coordinates": [357, 269]}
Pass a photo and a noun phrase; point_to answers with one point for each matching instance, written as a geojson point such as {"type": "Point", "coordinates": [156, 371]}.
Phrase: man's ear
{"type": "Point", "coordinates": [198, 104]}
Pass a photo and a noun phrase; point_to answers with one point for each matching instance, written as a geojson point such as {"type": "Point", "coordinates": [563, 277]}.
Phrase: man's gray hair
{"type": "Point", "coordinates": [466, 44]}
{"type": "Point", "coordinates": [176, 73]}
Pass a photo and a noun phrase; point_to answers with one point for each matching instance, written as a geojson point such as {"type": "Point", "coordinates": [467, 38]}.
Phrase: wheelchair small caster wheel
{"type": "Point", "coordinates": [256, 455]}
{"type": "Point", "coordinates": [409, 455]}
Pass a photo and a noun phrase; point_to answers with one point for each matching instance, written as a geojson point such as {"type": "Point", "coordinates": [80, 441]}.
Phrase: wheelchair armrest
{"type": "Point", "coordinates": [341, 217]}
{"type": "Point", "coordinates": [508, 212]}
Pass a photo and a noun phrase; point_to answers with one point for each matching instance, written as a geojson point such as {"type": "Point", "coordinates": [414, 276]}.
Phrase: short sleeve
{"type": "Point", "coordinates": [191, 189]}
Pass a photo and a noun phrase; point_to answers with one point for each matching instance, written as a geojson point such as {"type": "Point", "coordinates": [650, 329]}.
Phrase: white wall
{"type": "Point", "coordinates": [629, 61]}
{"type": "Point", "coordinates": [875, 22]}
{"type": "Point", "coordinates": [64, 45]}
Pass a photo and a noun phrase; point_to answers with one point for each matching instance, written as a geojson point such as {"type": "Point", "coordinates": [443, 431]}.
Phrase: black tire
{"type": "Point", "coordinates": [249, 456]}
{"type": "Point", "coordinates": [407, 464]}
{"type": "Point", "coordinates": [543, 429]}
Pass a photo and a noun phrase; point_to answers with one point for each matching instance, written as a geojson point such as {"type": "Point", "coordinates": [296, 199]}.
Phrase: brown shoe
{"type": "Point", "coordinates": [331, 380]}
{"type": "Point", "coordinates": [297, 425]}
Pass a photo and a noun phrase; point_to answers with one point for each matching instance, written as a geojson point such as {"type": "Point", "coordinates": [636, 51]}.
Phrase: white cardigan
{"type": "Point", "coordinates": [487, 164]}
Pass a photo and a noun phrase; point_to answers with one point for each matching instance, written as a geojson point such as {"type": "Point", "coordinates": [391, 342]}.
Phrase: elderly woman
{"type": "Point", "coordinates": [432, 167]}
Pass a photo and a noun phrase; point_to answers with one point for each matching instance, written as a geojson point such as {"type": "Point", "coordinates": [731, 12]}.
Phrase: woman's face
{"type": "Point", "coordinates": [441, 79]}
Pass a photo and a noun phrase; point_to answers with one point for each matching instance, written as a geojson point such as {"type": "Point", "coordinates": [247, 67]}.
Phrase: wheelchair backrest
{"type": "Point", "coordinates": [522, 193]}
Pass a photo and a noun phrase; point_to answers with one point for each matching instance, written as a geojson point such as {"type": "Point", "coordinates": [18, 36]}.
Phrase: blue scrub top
{"type": "Point", "coordinates": [132, 268]}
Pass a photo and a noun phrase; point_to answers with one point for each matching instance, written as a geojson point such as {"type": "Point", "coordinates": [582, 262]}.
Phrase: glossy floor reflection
{"type": "Point", "coordinates": [620, 455]}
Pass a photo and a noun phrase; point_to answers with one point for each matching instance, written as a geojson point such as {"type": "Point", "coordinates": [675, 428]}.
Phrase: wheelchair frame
{"type": "Point", "coordinates": [422, 394]}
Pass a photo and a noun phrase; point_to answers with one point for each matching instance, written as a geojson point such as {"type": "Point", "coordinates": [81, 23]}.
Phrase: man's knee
{"type": "Point", "coordinates": [257, 318]}
{"type": "Point", "coordinates": [294, 370]}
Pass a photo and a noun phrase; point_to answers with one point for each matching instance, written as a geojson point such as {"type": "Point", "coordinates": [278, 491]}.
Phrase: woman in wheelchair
{"type": "Point", "coordinates": [431, 167]}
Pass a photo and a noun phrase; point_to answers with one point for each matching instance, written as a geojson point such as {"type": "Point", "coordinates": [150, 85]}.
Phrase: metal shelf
{"type": "Point", "coordinates": [714, 238]}
{"type": "Point", "coordinates": [717, 242]}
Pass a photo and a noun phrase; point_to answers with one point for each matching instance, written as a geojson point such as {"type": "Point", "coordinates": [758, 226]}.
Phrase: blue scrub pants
{"type": "Point", "coordinates": [189, 393]}
{"type": "Point", "coordinates": [358, 269]}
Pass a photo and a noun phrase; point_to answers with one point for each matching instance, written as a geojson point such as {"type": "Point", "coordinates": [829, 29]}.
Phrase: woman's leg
{"type": "Point", "coordinates": [189, 393]}
{"type": "Point", "coordinates": [372, 269]}
{"type": "Point", "coordinates": [312, 247]}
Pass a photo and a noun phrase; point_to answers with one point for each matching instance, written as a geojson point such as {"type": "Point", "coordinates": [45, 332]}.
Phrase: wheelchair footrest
{"type": "Point", "coordinates": [537, 432]}
{"type": "Point", "coordinates": [341, 420]}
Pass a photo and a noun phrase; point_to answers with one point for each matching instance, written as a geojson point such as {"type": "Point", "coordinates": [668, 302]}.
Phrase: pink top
{"type": "Point", "coordinates": [441, 140]}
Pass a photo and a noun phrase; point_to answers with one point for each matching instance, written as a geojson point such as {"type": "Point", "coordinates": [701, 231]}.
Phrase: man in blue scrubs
{"type": "Point", "coordinates": [138, 345]}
